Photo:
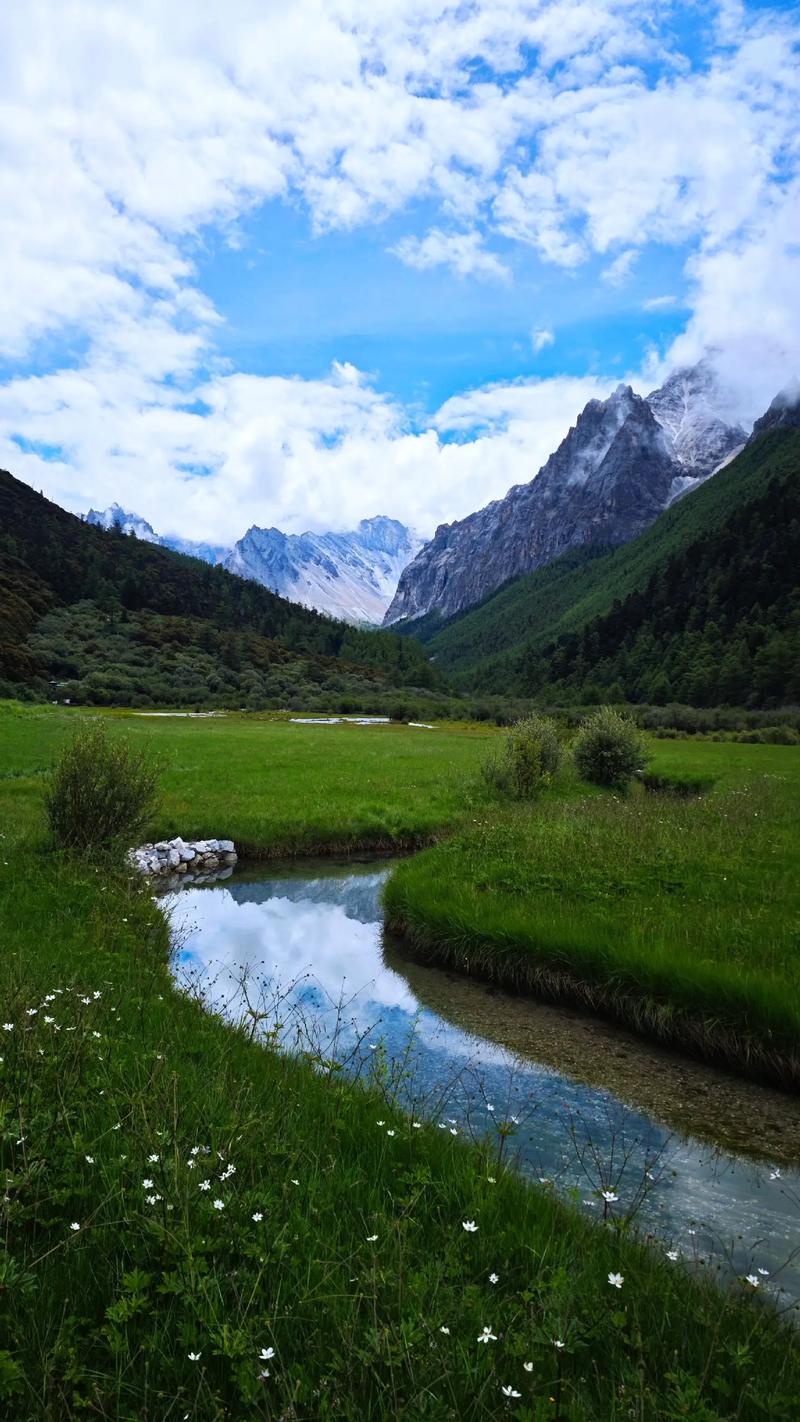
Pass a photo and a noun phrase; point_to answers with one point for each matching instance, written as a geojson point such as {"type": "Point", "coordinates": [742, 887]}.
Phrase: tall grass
{"type": "Point", "coordinates": [330, 1238]}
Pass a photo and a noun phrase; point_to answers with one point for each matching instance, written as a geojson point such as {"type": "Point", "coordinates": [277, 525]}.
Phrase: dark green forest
{"type": "Point", "coordinates": [703, 608]}
{"type": "Point", "coordinates": [101, 618]}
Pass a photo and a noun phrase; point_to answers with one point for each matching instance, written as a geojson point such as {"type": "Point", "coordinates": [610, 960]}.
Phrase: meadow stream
{"type": "Point", "coordinates": [704, 1162]}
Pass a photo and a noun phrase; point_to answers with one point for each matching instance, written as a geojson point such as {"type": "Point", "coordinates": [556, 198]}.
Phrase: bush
{"type": "Point", "coordinates": [100, 793]}
{"type": "Point", "coordinates": [530, 756]}
{"type": "Point", "coordinates": [609, 749]}
{"type": "Point", "coordinates": [677, 782]}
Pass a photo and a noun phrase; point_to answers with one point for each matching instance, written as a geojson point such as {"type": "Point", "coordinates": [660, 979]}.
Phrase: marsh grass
{"type": "Point", "coordinates": [118, 1110]}
{"type": "Point", "coordinates": [100, 1321]}
{"type": "Point", "coordinates": [676, 916]}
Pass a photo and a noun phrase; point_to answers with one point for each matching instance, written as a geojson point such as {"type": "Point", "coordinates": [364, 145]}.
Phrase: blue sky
{"type": "Point", "coordinates": [300, 265]}
{"type": "Point", "coordinates": [293, 302]}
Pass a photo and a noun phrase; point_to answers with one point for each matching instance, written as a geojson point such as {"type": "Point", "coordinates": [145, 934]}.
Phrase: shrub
{"type": "Point", "coordinates": [101, 792]}
{"type": "Point", "coordinates": [609, 749]}
{"type": "Point", "coordinates": [677, 782]}
{"type": "Point", "coordinates": [529, 758]}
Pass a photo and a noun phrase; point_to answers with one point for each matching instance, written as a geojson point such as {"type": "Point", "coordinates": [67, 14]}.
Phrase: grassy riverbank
{"type": "Point", "coordinates": [112, 1080]}
{"type": "Point", "coordinates": [676, 916]}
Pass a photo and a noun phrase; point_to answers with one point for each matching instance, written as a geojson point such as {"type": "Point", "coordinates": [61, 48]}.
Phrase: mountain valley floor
{"type": "Point", "coordinates": [327, 1271]}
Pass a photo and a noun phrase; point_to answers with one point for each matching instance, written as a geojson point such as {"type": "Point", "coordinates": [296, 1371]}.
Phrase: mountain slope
{"type": "Point", "coordinates": [727, 554]}
{"type": "Point", "coordinates": [123, 620]}
{"type": "Point", "coordinates": [622, 463]}
{"type": "Point", "coordinates": [349, 575]}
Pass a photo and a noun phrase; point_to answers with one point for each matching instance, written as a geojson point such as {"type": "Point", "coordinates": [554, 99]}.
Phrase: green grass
{"type": "Point", "coordinates": [679, 916]}
{"type": "Point", "coordinates": [99, 1321]}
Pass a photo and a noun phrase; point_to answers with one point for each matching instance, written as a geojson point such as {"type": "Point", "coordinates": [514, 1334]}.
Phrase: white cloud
{"type": "Point", "coordinates": [464, 252]}
{"type": "Point", "coordinates": [618, 271]}
{"type": "Point", "coordinates": [541, 338]}
{"type": "Point", "coordinates": [128, 128]}
{"type": "Point", "coordinates": [660, 303]}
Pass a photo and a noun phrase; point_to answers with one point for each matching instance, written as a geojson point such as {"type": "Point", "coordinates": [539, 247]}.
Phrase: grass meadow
{"type": "Point", "coordinates": [195, 1227]}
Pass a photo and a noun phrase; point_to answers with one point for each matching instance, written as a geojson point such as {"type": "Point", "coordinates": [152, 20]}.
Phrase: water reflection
{"type": "Point", "coordinates": [595, 1109]}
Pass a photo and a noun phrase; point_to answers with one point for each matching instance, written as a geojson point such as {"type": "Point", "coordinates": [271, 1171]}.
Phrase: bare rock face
{"type": "Point", "coordinates": [621, 464]}
{"type": "Point", "coordinates": [783, 413]}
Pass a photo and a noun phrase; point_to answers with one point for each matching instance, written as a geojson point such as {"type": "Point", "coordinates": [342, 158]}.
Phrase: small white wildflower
{"type": "Point", "coordinates": [219, 1204]}
{"type": "Point", "coordinates": [295, 1182]}
{"type": "Point", "coordinates": [153, 1159]}
{"type": "Point", "coordinates": [673, 1254]}
{"type": "Point", "coordinates": [371, 1238]}
{"type": "Point", "coordinates": [764, 1273]}
{"type": "Point", "coordinates": [31, 1011]}
{"type": "Point", "coordinates": [264, 1373]}
{"type": "Point", "coordinates": [417, 1125]}
{"type": "Point", "coordinates": [74, 1225]}
{"type": "Point", "coordinates": [266, 1354]}
{"type": "Point", "coordinates": [191, 1164]}
{"type": "Point", "coordinates": [8, 1026]}
{"type": "Point", "coordinates": [616, 1280]}
{"type": "Point", "coordinates": [151, 1199]}
{"type": "Point", "coordinates": [490, 1180]}
{"type": "Point", "coordinates": [775, 1174]}
{"type": "Point", "coordinates": [147, 1184]}
{"type": "Point", "coordinates": [380, 1123]}
{"type": "Point", "coordinates": [489, 1106]}
{"type": "Point", "coordinates": [194, 1357]}
{"type": "Point", "coordinates": [753, 1280]}
{"type": "Point", "coordinates": [89, 1159]}
{"type": "Point", "coordinates": [469, 1225]}
{"type": "Point", "coordinates": [390, 1133]}
{"type": "Point", "coordinates": [258, 1217]}
{"type": "Point", "coordinates": [529, 1366]}
{"type": "Point", "coordinates": [453, 1131]}
{"type": "Point", "coordinates": [86, 1000]}
{"type": "Point", "coordinates": [195, 1150]}
{"type": "Point", "coordinates": [487, 1336]}
{"type": "Point", "coordinates": [444, 1329]}
{"type": "Point", "coordinates": [48, 1020]}
{"type": "Point", "coordinates": [494, 1278]}
{"type": "Point", "coordinates": [205, 1184]}
{"type": "Point", "coordinates": [609, 1197]}
{"type": "Point", "coordinates": [510, 1392]}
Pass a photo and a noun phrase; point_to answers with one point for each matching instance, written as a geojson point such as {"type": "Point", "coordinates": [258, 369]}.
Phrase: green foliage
{"type": "Point", "coordinates": [676, 916]}
{"type": "Point", "coordinates": [100, 1321]}
{"type": "Point", "coordinates": [608, 749]}
{"type": "Point", "coordinates": [102, 791]}
{"type": "Point", "coordinates": [527, 759]}
{"type": "Point", "coordinates": [677, 782]}
{"type": "Point", "coordinates": [95, 616]}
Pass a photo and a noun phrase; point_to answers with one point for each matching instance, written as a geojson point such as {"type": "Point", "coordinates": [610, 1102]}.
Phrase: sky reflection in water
{"type": "Point", "coordinates": [317, 930]}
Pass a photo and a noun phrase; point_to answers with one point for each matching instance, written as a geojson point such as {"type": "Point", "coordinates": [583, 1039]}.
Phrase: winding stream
{"type": "Point", "coordinates": [705, 1162]}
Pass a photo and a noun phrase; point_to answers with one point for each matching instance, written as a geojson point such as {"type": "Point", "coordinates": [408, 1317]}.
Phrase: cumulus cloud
{"type": "Point", "coordinates": [129, 129]}
{"type": "Point", "coordinates": [464, 252]}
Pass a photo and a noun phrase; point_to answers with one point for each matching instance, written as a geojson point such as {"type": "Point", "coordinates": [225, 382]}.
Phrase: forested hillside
{"type": "Point", "coordinates": [115, 620]}
{"type": "Point", "coordinates": [702, 608]}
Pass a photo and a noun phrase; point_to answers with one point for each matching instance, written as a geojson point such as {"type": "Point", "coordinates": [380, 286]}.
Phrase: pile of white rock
{"type": "Point", "coordinates": [191, 860]}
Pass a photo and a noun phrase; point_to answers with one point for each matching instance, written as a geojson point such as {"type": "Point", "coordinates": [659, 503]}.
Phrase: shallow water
{"type": "Point", "coordinates": [705, 1162]}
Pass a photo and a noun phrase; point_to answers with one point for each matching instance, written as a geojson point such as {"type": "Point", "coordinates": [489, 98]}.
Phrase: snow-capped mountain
{"type": "Point", "coordinates": [352, 576]}
{"type": "Point", "coordinates": [116, 517]}
{"type": "Point", "coordinates": [692, 409]}
{"type": "Point", "coordinates": [624, 461]}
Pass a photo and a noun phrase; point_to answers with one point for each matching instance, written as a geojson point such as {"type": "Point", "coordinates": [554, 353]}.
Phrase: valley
{"type": "Point", "coordinates": [646, 879]}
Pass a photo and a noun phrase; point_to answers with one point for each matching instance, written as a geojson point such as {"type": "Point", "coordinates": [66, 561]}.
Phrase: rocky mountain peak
{"type": "Point", "coordinates": [622, 462]}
